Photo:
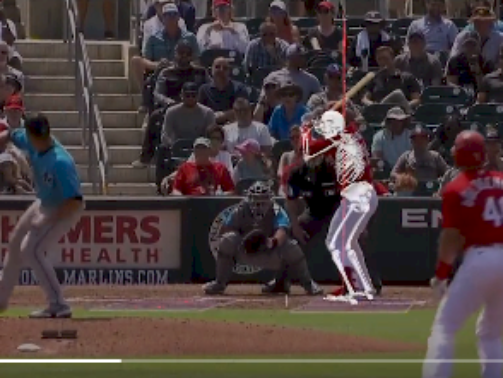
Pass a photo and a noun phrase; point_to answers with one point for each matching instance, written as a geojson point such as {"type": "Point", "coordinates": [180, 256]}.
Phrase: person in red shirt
{"type": "Point", "coordinates": [472, 211]}
{"type": "Point", "coordinates": [202, 177]}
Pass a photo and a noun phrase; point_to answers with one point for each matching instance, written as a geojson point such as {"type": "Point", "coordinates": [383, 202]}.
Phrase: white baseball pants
{"type": "Point", "coordinates": [478, 284]}
{"type": "Point", "coordinates": [359, 203]}
{"type": "Point", "coordinates": [27, 247]}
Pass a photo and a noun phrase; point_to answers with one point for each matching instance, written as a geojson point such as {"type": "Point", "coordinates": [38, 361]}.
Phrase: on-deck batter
{"type": "Point", "coordinates": [472, 211]}
{"type": "Point", "coordinates": [57, 208]}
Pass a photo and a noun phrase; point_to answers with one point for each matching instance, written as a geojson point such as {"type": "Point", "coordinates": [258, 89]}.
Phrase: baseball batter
{"type": "Point", "coordinates": [343, 143]}
{"type": "Point", "coordinates": [472, 211]}
{"type": "Point", "coordinates": [57, 208]}
{"type": "Point", "coordinates": [259, 214]}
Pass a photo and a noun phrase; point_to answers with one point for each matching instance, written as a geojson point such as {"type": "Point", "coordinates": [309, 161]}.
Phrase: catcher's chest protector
{"type": "Point", "coordinates": [247, 221]}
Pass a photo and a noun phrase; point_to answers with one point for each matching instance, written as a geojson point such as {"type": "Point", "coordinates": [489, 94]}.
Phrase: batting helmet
{"type": "Point", "coordinates": [469, 150]}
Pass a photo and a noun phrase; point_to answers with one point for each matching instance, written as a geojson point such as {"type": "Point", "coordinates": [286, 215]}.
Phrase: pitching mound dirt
{"type": "Point", "coordinates": [144, 337]}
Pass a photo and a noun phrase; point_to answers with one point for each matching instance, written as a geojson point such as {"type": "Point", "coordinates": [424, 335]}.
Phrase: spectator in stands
{"type": "Point", "coordinates": [171, 79]}
{"type": "Point", "coordinates": [445, 134]}
{"type": "Point", "coordinates": [221, 92]}
{"type": "Point", "coordinates": [187, 120]}
{"type": "Point", "coordinates": [325, 36]}
{"type": "Point", "coordinates": [498, 24]}
{"type": "Point", "coordinates": [491, 87]}
{"type": "Point", "coordinates": [108, 15]}
{"type": "Point", "coordinates": [6, 90]}
{"type": "Point", "coordinates": [363, 50]}
{"type": "Point", "coordinates": [332, 92]}
{"type": "Point", "coordinates": [494, 161]}
{"type": "Point", "coordinates": [425, 67]}
{"type": "Point", "coordinates": [5, 68]}
{"type": "Point", "coordinates": [8, 34]}
{"type": "Point", "coordinates": [405, 185]}
{"type": "Point", "coordinates": [294, 72]}
{"type": "Point", "coordinates": [289, 113]}
{"type": "Point", "coordinates": [252, 166]}
{"type": "Point", "coordinates": [154, 22]}
{"type": "Point", "coordinates": [424, 164]}
{"type": "Point", "coordinates": [185, 7]}
{"type": "Point", "coordinates": [289, 160]}
{"type": "Point", "coordinates": [439, 31]}
{"type": "Point", "coordinates": [393, 139]}
{"type": "Point", "coordinates": [224, 32]}
{"type": "Point", "coordinates": [163, 44]}
{"type": "Point", "coordinates": [216, 135]}
{"type": "Point", "coordinates": [14, 111]}
{"type": "Point", "coordinates": [265, 51]}
{"type": "Point", "coordinates": [278, 14]}
{"type": "Point", "coordinates": [14, 83]}
{"type": "Point", "coordinates": [468, 67]}
{"type": "Point", "coordinates": [490, 40]}
{"type": "Point", "coordinates": [202, 177]}
{"type": "Point", "coordinates": [392, 86]}
{"type": "Point", "coordinates": [264, 109]}
{"type": "Point", "coordinates": [246, 128]}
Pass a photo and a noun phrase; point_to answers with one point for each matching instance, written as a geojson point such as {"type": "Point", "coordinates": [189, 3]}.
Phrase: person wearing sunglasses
{"type": "Point", "coordinates": [224, 32]}
{"type": "Point", "coordinates": [288, 113]}
{"type": "Point", "coordinates": [278, 14]}
{"type": "Point", "coordinates": [264, 109]}
{"type": "Point", "coordinates": [325, 36]}
{"type": "Point", "coordinates": [265, 51]}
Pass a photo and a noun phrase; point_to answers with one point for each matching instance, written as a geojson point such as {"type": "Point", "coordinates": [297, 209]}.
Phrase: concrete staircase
{"type": "Point", "coordinates": [50, 88]}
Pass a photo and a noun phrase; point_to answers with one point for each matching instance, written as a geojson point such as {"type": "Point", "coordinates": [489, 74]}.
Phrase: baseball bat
{"type": "Point", "coordinates": [355, 89]}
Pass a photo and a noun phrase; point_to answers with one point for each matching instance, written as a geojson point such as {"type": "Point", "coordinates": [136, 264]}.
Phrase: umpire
{"type": "Point", "coordinates": [256, 234]}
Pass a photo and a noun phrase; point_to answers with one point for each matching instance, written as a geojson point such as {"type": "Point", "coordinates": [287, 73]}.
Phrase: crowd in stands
{"type": "Point", "coordinates": [224, 98]}
{"type": "Point", "coordinates": [15, 175]}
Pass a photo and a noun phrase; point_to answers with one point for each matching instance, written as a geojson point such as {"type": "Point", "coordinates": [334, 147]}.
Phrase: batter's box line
{"type": "Point", "coordinates": [125, 311]}
{"type": "Point", "coordinates": [313, 312]}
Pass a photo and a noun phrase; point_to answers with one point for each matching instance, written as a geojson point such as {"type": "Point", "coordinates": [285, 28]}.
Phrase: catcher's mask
{"type": "Point", "coordinates": [259, 198]}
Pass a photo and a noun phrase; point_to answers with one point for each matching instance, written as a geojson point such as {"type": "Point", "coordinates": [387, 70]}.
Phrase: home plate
{"type": "Point", "coordinates": [164, 304]}
{"type": "Point", "coordinates": [382, 305]}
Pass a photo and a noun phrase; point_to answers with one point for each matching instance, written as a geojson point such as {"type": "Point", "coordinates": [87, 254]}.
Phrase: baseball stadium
{"type": "Point", "coordinates": [246, 188]}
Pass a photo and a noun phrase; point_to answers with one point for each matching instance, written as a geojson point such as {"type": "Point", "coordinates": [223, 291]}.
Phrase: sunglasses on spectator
{"type": "Point", "coordinates": [190, 94]}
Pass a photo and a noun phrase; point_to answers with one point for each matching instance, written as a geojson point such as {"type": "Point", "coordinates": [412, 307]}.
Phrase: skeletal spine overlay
{"type": "Point", "coordinates": [349, 160]}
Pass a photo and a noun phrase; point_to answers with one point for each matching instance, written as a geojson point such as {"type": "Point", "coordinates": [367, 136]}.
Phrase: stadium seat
{"type": "Point", "coordinates": [381, 170]}
{"type": "Point", "coordinates": [400, 26]}
{"type": "Point", "coordinates": [208, 56]}
{"type": "Point", "coordinates": [181, 151]}
{"type": "Point", "coordinates": [426, 188]}
{"type": "Point", "coordinates": [253, 94]}
{"type": "Point", "coordinates": [305, 22]}
{"type": "Point", "coordinates": [468, 125]}
{"type": "Point", "coordinates": [321, 58]}
{"type": "Point", "coordinates": [433, 114]}
{"type": "Point", "coordinates": [257, 77]}
{"type": "Point", "coordinates": [374, 114]}
{"type": "Point", "coordinates": [460, 22]}
{"type": "Point", "coordinates": [319, 72]}
{"type": "Point", "coordinates": [485, 113]}
{"type": "Point", "coordinates": [445, 95]}
{"type": "Point", "coordinates": [253, 25]}
{"type": "Point", "coordinates": [238, 73]}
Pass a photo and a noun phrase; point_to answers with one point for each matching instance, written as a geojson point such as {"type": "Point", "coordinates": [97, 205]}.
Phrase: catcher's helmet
{"type": "Point", "coordinates": [469, 150]}
{"type": "Point", "coordinates": [259, 198]}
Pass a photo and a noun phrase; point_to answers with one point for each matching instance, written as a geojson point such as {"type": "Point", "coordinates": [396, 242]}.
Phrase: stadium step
{"type": "Point", "coordinates": [123, 173]}
{"type": "Point", "coordinates": [114, 137]}
{"type": "Point", "coordinates": [110, 120]}
{"type": "Point", "coordinates": [62, 102]}
{"type": "Point", "coordinates": [66, 85]}
{"type": "Point", "coordinates": [59, 50]}
{"type": "Point", "coordinates": [62, 67]}
{"type": "Point", "coordinates": [124, 189]}
{"type": "Point", "coordinates": [118, 155]}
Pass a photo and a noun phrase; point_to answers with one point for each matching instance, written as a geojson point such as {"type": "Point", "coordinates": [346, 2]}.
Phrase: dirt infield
{"type": "Point", "coordinates": [109, 336]}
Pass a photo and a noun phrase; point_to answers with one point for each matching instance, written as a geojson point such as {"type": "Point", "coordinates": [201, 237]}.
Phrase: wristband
{"type": "Point", "coordinates": [443, 270]}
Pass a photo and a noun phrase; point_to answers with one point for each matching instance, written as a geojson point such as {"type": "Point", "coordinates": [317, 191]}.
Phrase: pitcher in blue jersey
{"type": "Point", "coordinates": [57, 208]}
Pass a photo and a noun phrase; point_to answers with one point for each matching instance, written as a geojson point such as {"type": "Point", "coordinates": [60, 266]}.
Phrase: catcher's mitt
{"type": "Point", "coordinates": [255, 241]}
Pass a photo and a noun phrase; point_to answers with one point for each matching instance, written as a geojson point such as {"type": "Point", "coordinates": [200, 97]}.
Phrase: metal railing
{"type": "Point", "coordinates": [93, 136]}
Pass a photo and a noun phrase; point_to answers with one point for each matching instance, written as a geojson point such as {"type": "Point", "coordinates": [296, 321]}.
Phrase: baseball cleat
{"type": "Point", "coordinates": [53, 312]}
{"type": "Point", "coordinates": [277, 287]}
{"type": "Point", "coordinates": [313, 289]}
{"type": "Point", "coordinates": [214, 288]}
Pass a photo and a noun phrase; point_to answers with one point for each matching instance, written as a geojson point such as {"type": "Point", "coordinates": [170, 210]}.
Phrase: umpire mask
{"type": "Point", "coordinates": [259, 199]}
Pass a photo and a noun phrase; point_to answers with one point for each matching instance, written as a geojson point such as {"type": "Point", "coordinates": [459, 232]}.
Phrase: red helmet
{"type": "Point", "coordinates": [469, 150]}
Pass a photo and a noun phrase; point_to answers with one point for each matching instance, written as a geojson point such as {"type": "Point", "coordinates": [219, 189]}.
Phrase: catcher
{"type": "Point", "coordinates": [256, 234]}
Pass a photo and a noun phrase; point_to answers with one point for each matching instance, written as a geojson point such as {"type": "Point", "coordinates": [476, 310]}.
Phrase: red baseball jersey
{"type": "Point", "coordinates": [473, 204]}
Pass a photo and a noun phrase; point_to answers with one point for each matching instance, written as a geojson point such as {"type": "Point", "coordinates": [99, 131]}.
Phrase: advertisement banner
{"type": "Point", "coordinates": [123, 246]}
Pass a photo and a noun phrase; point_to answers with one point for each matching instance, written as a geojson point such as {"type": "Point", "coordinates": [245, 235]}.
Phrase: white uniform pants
{"type": "Point", "coordinates": [478, 284]}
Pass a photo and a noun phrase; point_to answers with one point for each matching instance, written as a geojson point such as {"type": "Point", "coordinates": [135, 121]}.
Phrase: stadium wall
{"type": "Point", "coordinates": [158, 241]}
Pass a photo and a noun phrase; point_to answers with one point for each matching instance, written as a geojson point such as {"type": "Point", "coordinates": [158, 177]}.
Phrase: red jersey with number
{"type": "Point", "coordinates": [473, 204]}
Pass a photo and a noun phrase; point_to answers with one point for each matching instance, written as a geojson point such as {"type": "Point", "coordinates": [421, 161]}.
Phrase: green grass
{"type": "Point", "coordinates": [412, 327]}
